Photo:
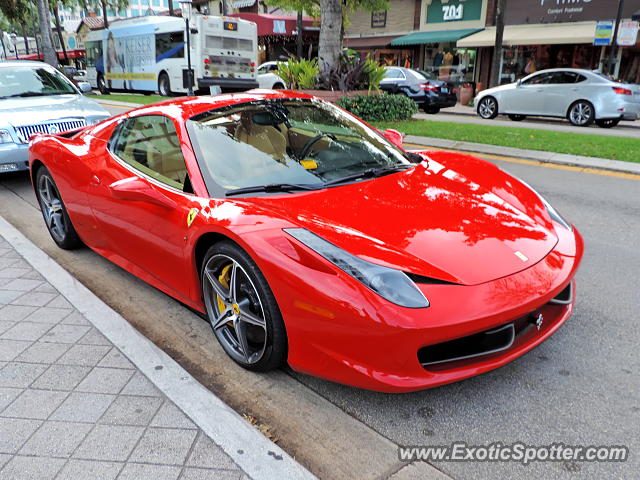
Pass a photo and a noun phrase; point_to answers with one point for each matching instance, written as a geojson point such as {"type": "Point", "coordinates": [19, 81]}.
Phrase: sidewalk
{"type": "Point", "coordinates": [73, 406]}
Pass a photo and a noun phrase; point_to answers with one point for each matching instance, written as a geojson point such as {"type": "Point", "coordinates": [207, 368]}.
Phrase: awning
{"type": "Point", "coordinates": [424, 38]}
{"type": "Point", "coordinates": [278, 24]}
{"type": "Point", "coordinates": [243, 3]}
{"type": "Point", "coordinates": [538, 34]}
{"type": "Point", "coordinates": [369, 42]}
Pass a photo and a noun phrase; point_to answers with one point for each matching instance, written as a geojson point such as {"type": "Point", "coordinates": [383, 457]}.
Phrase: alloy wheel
{"type": "Point", "coordinates": [235, 309]}
{"type": "Point", "coordinates": [52, 208]}
{"type": "Point", "coordinates": [487, 108]}
{"type": "Point", "coordinates": [581, 113]}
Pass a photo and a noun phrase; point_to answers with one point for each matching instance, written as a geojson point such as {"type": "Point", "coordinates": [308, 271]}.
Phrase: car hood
{"type": "Point", "coordinates": [34, 110]}
{"type": "Point", "coordinates": [466, 225]}
{"type": "Point", "coordinates": [499, 88]}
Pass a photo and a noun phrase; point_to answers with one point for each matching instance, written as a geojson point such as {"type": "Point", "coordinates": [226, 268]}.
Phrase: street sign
{"type": "Point", "coordinates": [627, 33]}
{"type": "Point", "coordinates": [603, 34]}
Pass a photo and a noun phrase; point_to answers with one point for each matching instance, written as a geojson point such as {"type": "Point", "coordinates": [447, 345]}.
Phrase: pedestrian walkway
{"type": "Point", "coordinates": [72, 406]}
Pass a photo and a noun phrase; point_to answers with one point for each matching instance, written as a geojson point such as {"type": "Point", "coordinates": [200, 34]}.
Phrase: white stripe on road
{"type": "Point", "coordinates": [252, 451]}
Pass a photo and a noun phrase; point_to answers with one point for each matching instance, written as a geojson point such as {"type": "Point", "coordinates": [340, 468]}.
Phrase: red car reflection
{"type": "Point", "coordinates": [309, 238]}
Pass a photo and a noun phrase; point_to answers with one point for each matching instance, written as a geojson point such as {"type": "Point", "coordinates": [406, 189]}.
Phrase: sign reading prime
{"type": "Point", "coordinates": [557, 11]}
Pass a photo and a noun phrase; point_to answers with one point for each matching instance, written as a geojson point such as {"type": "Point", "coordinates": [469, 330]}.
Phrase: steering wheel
{"type": "Point", "coordinates": [311, 142]}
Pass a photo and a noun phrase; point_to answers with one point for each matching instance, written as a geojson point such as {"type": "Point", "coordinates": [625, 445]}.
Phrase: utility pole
{"type": "Point", "coordinates": [501, 5]}
{"type": "Point", "coordinates": [299, 39]}
{"type": "Point", "coordinates": [614, 40]}
{"type": "Point", "coordinates": [224, 8]}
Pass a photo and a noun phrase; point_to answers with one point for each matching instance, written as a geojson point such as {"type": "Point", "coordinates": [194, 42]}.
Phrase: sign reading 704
{"type": "Point", "coordinates": [452, 12]}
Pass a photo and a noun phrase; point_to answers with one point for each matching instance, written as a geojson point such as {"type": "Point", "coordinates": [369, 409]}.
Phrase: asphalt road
{"type": "Point", "coordinates": [581, 387]}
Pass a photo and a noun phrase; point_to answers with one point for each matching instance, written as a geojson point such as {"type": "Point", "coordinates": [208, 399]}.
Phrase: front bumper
{"type": "Point", "coordinates": [341, 331]}
{"type": "Point", "coordinates": [13, 157]}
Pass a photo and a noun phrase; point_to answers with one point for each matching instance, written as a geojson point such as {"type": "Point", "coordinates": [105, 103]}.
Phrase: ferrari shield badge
{"type": "Point", "coordinates": [191, 216]}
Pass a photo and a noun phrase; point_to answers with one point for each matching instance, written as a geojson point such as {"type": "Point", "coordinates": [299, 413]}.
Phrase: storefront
{"type": "Point", "coordinates": [553, 34]}
{"type": "Point", "coordinates": [277, 35]}
{"type": "Point", "coordinates": [442, 24]}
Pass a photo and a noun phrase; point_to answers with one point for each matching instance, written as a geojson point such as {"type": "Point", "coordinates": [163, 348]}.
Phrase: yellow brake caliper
{"type": "Point", "coordinates": [224, 281]}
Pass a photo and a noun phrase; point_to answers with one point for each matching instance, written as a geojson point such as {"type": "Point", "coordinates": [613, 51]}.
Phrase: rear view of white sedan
{"type": "Point", "coordinates": [581, 96]}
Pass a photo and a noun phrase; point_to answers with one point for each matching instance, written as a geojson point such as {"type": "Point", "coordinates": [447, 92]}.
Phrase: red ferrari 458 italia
{"type": "Point", "coordinates": [308, 237]}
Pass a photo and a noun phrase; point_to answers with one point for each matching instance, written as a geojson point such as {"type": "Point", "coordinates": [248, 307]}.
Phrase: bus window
{"type": "Point", "coordinates": [170, 45]}
{"type": "Point", "coordinates": [94, 53]}
{"type": "Point", "coordinates": [214, 42]}
{"type": "Point", "coordinates": [244, 44]}
{"type": "Point", "coordinates": [230, 43]}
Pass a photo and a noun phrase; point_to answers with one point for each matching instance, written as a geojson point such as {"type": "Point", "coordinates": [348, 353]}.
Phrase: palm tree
{"type": "Point", "coordinates": [50, 55]}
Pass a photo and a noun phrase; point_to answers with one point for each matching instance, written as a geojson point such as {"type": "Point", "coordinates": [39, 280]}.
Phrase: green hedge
{"type": "Point", "coordinates": [380, 108]}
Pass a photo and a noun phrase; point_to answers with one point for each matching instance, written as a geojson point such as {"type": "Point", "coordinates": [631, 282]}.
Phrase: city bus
{"type": "Point", "coordinates": [148, 54]}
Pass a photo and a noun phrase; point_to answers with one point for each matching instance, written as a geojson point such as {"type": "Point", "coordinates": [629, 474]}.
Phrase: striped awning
{"type": "Point", "coordinates": [243, 3]}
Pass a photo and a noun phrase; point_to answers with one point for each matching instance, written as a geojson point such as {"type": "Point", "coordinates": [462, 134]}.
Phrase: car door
{"type": "Point", "coordinates": [527, 97]}
{"type": "Point", "coordinates": [563, 88]}
{"type": "Point", "coordinates": [139, 200]}
{"type": "Point", "coordinates": [393, 79]}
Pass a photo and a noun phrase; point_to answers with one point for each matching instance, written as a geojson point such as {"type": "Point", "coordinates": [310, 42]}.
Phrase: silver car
{"type": "Point", "coordinates": [36, 98]}
{"type": "Point", "coordinates": [581, 96]}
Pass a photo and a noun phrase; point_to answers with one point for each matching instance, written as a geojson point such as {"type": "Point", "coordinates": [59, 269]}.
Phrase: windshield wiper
{"type": "Point", "coordinates": [273, 187]}
{"type": "Point", "coordinates": [35, 94]}
{"type": "Point", "coordinates": [369, 173]}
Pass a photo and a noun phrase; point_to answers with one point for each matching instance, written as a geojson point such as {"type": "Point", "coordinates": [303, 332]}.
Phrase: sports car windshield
{"type": "Point", "coordinates": [32, 82]}
{"type": "Point", "coordinates": [287, 145]}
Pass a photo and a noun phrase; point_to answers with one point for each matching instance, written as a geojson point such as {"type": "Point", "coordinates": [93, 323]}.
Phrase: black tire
{"type": "Point", "coordinates": [278, 86]}
{"type": "Point", "coordinates": [273, 346]}
{"type": "Point", "coordinates": [164, 85]}
{"type": "Point", "coordinates": [488, 108]}
{"type": "Point", "coordinates": [608, 123]}
{"type": "Point", "coordinates": [431, 110]}
{"type": "Point", "coordinates": [102, 85]}
{"type": "Point", "coordinates": [581, 113]}
{"type": "Point", "coordinates": [517, 118]}
{"type": "Point", "coordinates": [58, 224]}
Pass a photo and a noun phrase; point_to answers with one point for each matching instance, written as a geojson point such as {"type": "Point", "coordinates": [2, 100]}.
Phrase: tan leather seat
{"type": "Point", "coordinates": [169, 164]}
{"type": "Point", "coordinates": [266, 138]}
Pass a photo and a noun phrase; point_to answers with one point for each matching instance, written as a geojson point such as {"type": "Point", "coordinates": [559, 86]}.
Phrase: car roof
{"type": "Point", "coordinates": [187, 107]}
{"type": "Point", "coordinates": [23, 63]}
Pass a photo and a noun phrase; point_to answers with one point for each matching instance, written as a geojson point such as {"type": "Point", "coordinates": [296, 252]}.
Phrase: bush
{"type": "Point", "coordinates": [351, 72]}
{"type": "Point", "coordinates": [380, 108]}
{"type": "Point", "coordinates": [299, 74]}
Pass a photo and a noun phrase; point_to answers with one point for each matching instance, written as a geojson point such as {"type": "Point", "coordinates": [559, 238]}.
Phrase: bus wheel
{"type": "Point", "coordinates": [102, 85]}
{"type": "Point", "coordinates": [164, 87]}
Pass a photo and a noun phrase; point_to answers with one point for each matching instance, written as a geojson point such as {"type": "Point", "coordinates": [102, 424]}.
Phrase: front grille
{"type": "Point", "coordinates": [25, 131]}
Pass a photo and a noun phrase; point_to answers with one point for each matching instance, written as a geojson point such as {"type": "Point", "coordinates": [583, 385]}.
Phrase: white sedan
{"type": "Point", "coordinates": [581, 96]}
{"type": "Point", "coordinates": [268, 77]}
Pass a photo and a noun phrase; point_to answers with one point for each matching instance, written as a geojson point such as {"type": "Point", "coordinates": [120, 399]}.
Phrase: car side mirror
{"type": "Point", "coordinates": [394, 136]}
{"type": "Point", "coordinates": [84, 87]}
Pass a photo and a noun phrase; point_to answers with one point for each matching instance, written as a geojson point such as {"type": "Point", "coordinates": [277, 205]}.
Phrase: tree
{"type": "Point", "coordinates": [497, 50]}
{"type": "Point", "coordinates": [18, 16]}
{"type": "Point", "coordinates": [333, 16]}
{"type": "Point", "coordinates": [102, 6]}
{"type": "Point", "coordinates": [49, 53]}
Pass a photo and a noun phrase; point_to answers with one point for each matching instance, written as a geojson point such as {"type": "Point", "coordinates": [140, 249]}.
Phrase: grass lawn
{"type": "Point", "coordinates": [616, 148]}
{"type": "Point", "coordinates": [129, 97]}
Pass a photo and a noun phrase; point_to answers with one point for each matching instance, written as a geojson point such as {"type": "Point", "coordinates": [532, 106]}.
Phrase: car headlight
{"type": "Point", "coordinates": [94, 120]}
{"type": "Point", "coordinates": [5, 136]}
{"type": "Point", "coordinates": [390, 284]}
{"type": "Point", "coordinates": [553, 213]}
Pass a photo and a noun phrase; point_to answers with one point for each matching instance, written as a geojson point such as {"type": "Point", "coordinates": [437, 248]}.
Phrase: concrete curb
{"type": "Point", "coordinates": [254, 453]}
{"type": "Point", "coordinates": [540, 156]}
{"type": "Point", "coordinates": [104, 100]}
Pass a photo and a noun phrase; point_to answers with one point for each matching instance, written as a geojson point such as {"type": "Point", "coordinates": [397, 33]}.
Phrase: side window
{"type": "Point", "coordinates": [170, 45]}
{"type": "Point", "coordinates": [541, 78]}
{"type": "Point", "coordinates": [564, 77]}
{"type": "Point", "coordinates": [150, 144]}
{"type": "Point", "coordinates": [393, 73]}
